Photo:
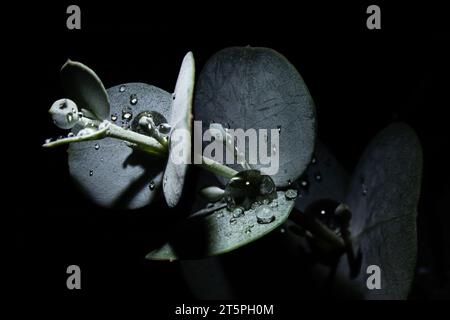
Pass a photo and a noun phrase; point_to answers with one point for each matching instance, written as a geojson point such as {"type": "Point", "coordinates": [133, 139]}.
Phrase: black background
{"type": "Point", "coordinates": [360, 79]}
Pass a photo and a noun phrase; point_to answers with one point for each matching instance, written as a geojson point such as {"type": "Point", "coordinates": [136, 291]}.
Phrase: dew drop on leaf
{"type": "Point", "coordinates": [122, 88]}
{"type": "Point", "coordinates": [127, 114]}
{"type": "Point", "coordinates": [114, 117]}
{"type": "Point", "coordinates": [133, 99]}
{"type": "Point", "coordinates": [96, 146]}
{"type": "Point", "coordinates": [264, 215]}
{"type": "Point", "coordinates": [91, 173]}
{"type": "Point", "coordinates": [151, 185]}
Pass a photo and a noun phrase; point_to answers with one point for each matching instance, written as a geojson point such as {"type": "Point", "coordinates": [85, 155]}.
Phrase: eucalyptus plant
{"type": "Point", "coordinates": [121, 141]}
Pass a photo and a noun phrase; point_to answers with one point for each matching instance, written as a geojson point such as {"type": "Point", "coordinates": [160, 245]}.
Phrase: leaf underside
{"type": "Point", "coordinates": [383, 197]}
{"type": "Point", "coordinates": [243, 88]}
{"type": "Point", "coordinates": [214, 234]}
{"type": "Point", "coordinates": [115, 175]}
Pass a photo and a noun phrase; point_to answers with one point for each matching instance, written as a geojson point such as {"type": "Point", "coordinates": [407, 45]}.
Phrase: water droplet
{"type": "Point", "coordinates": [133, 99]}
{"type": "Point", "coordinates": [247, 183]}
{"type": "Point", "coordinates": [304, 183]}
{"type": "Point", "coordinates": [267, 186]}
{"type": "Point", "coordinates": [318, 176]}
{"type": "Point", "coordinates": [264, 215]}
{"type": "Point", "coordinates": [97, 146]}
{"type": "Point", "coordinates": [274, 203]}
{"type": "Point", "coordinates": [248, 229]}
{"type": "Point", "coordinates": [114, 117]}
{"type": "Point", "coordinates": [238, 212]}
{"type": "Point", "coordinates": [70, 135]}
{"type": "Point", "coordinates": [91, 173]}
{"type": "Point", "coordinates": [233, 221]}
{"type": "Point", "coordinates": [173, 96]}
{"type": "Point", "coordinates": [164, 128]}
{"type": "Point", "coordinates": [289, 182]}
{"type": "Point", "coordinates": [279, 129]}
{"type": "Point", "coordinates": [322, 212]}
{"type": "Point", "coordinates": [291, 194]}
{"type": "Point", "coordinates": [127, 114]}
{"type": "Point", "coordinates": [313, 160]}
{"type": "Point", "coordinates": [151, 185]}
{"type": "Point", "coordinates": [122, 88]}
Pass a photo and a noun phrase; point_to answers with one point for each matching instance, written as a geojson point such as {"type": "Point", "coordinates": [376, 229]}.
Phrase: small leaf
{"type": "Point", "coordinates": [84, 87]}
{"type": "Point", "coordinates": [111, 173]}
{"type": "Point", "coordinates": [383, 198]}
{"type": "Point", "coordinates": [218, 233]}
{"type": "Point", "coordinates": [244, 88]}
{"type": "Point", "coordinates": [325, 178]}
{"type": "Point", "coordinates": [181, 122]}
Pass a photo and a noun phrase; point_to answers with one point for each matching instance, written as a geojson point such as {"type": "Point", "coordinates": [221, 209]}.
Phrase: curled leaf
{"type": "Point", "coordinates": [83, 86]}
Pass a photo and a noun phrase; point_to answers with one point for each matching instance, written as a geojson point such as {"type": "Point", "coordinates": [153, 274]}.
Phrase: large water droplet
{"type": "Point", "coordinates": [264, 215]}
{"type": "Point", "coordinates": [114, 117]}
{"type": "Point", "coordinates": [248, 187]}
{"type": "Point", "coordinates": [97, 146]}
{"type": "Point", "coordinates": [151, 185]}
{"type": "Point", "coordinates": [133, 99]}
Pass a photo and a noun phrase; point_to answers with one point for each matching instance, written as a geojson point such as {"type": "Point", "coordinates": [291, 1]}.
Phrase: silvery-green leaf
{"type": "Point", "coordinates": [221, 232]}
{"type": "Point", "coordinates": [111, 173]}
{"type": "Point", "coordinates": [325, 178]}
{"type": "Point", "coordinates": [83, 86]}
{"type": "Point", "coordinates": [383, 197]}
{"type": "Point", "coordinates": [257, 88]}
{"type": "Point", "coordinates": [181, 122]}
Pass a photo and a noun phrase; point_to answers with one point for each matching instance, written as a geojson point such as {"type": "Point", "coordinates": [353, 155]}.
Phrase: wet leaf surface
{"type": "Point", "coordinates": [258, 88]}
{"type": "Point", "coordinates": [383, 198]}
{"type": "Point", "coordinates": [109, 172]}
{"type": "Point", "coordinates": [221, 232]}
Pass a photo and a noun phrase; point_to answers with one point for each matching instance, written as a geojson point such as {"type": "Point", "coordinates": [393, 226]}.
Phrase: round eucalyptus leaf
{"type": "Point", "coordinates": [325, 178]}
{"type": "Point", "coordinates": [223, 231]}
{"type": "Point", "coordinates": [257, 88]}
{"type": "Point", "coordinates": [181, 122]}
{"type": "Point", "coordinates": [383, 197]}
{"type": "Point", "coordinates": [83, 86]}
{"type": "Point", "coordinates": [111, 173]}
